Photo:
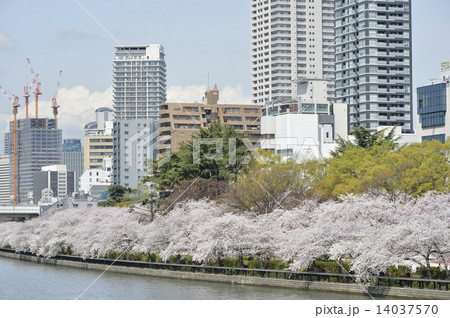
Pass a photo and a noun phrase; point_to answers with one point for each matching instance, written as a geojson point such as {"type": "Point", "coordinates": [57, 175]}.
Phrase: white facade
{"type": "Point", "coordinates": [97, 176]}
{"type": "Point", "coordinates": [103, 124]}
{"type": "Point", "coordinates": [4, 180]}
{"type": "Point", "coordinates": [402, 139]}
{"type": "Point", "coordinates": [305, 128]}
{"type": "Point", "coordinates": [298, 136]}
{"type": "Point", "coordinates": [139, 87]}
{"type": "Point", "coordinates": [139, 81]}
{"type": "Point", "coordinates": [291, 39]}
{"type": "Point", "coordinates": [94, 177]}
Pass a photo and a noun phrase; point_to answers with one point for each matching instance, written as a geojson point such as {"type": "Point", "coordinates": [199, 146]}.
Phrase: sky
{"type": "Point", "coordinates": [203, 39]}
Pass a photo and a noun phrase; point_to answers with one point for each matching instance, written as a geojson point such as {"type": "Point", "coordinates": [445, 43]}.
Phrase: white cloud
{"type": "Point", "coordinates": [76, 35]}
{"type": "Point", "coordinates": [5, 41]}
{"type": "Point", "coordinates": [195, 93]}
{"type": "Point", "coordinates": [78, 106]}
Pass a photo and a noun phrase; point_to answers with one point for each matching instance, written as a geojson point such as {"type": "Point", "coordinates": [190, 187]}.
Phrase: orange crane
{"type": "Point", "coordinates": [15, 103]}
{"type": "Point", "coordinates": [37, 91]}
{"type": "Point", "coordinates": [27, 88]}
{"type": "Point", "coordinates": [26, 93]}
{"type": "Point", "coordinates": [55, 105]}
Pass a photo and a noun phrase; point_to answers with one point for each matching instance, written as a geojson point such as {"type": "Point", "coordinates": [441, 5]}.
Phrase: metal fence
{"type": "Point", "coordinates": [381, 281]}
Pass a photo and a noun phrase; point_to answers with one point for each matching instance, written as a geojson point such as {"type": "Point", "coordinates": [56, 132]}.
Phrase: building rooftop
{"type": "Point", "coordinates": [103, 109]}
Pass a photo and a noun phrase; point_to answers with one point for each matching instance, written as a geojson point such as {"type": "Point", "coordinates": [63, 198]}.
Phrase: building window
{"type": "Point", "coordinates": [285, 152]}
{"type": "Point", "coordinates": [433, 119]}
{"type": "Point", "coordinates": [440, 138]}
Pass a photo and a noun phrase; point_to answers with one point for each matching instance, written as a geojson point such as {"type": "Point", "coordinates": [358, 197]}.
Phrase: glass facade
{"type": "Point", "coordinates": [431, 99]}
{"type": "Point", "coordinates": [432, 105]}
{"type": "Point", "coordinates": [72, 145]}
{"type": "Point", "coordinates": [440, 137]}
{"type": "Point", "coordinates": [433, 119]}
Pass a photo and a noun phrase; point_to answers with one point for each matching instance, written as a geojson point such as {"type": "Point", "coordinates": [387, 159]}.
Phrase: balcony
{"type": "Point", "coordinates": [164, 146]}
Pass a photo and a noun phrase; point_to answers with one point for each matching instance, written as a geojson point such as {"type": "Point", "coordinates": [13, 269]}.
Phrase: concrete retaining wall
{"type": "Point", "coordinates": [406, 293]}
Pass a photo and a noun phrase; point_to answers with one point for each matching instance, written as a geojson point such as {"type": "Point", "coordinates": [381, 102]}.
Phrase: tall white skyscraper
{"type": "Point", "coordinates": [139, 81]}
{"type": "Point", "coordinates": [373, 62]}
{"type": "Point", "coordinates": [291, 40]}
{"type": "Point", "coordinates": [139, 87]}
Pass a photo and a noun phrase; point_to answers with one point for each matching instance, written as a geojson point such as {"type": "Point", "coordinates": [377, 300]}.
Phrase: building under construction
{"type": "Point", "coordinates": [31, 143]}
{"type": "Point", "coordinates": [39, 144]}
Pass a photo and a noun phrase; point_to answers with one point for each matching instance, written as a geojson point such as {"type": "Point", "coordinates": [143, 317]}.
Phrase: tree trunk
{"type": "Point", "coordinates": [241, 261]}
{"type": "Point", "coordinates": [428, 266]}
{"type": "Point", "coordinates": [152, 213]}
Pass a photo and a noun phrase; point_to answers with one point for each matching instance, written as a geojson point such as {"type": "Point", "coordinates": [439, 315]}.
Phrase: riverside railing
{"type": "Point", "coordinates": [381, 281]}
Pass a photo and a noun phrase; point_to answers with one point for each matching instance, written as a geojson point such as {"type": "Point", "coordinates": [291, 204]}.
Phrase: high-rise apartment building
{"type": "Point", "coordinates": [139, 87]}
{"type": "Point", "coordinates": [73, 158]}
{"type": "Point", "coordinates": [139, 81]}
{"type": "Point", "coordinates": [373, 62]}
{"type": "Point", "coordinates": [4, 180]}
{"type": "Point", "coordinates": [291, 40]}
{"type": "Point", "coordinates": [39, 144]}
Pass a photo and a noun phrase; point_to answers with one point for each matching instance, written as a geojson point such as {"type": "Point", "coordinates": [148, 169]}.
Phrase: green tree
{"type": "Point", "coordinates": [366, 139]}
{"type": "Point", "coordinates": [273, 185]}
{"type": "Point", "coordinates": [117, 192]}
{"type": "Point", "coordinates": [412, 170]}
{"type": "Point", "coordinates": [117, 196]}
{"type": "Point", "coordinates": [194, 158]}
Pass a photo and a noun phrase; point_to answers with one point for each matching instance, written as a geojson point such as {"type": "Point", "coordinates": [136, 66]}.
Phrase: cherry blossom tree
{"type": "Point", "coordinates": [369, 231]}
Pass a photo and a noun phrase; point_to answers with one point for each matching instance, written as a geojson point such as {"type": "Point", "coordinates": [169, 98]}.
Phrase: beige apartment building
{"type": "Point", "coordinates": [97, 147]}
{"type": "Point", "coordinates": [179, 121]}
{"type": "Point", "coordinates": [98, 139]}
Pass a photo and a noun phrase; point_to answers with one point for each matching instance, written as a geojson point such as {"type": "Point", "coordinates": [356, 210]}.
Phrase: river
{"type": "Point", "coordinates": [29, 280]}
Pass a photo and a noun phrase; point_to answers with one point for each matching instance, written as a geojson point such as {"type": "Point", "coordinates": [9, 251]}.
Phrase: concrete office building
{"type": "Point", "coordinates": [305, 128]}
{"type": "Point", "coordinates": [373, 62]}
{"type": "Point", "coordinates": [139, 87]}
{"type": "Point", "coordinates": [98, 139]}
{"type": "Point", "coordinates": [4, 180]}
{"type": "Point", "coordinates": [53, 183]}
{"type": "Point", "coordinates": [434, 117]}
{"type": "Point", "coordinates": [40, 144]}
{"type": "Point", "coordinates": [291, 39]}
{"type": "Point", "coordinates": [134, 144]}
{"type": "Point", "coordinates": [179, 121]}
{"type": "Point", "coordinates": [73, 158]}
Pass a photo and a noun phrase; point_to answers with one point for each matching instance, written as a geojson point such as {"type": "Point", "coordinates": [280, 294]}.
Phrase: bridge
{"type": "Point", "coordinates": [20, 211]}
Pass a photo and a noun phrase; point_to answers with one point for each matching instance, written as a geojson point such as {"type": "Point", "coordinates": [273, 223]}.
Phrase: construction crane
{"type": "Point", "coordinates": [26, 93]}
{"type": "Point", "coordinates": [15, 103]}
{"type": "Point", "coordinates": [37, 91]}
{"type": "Point", "coordinates": [55, 105]}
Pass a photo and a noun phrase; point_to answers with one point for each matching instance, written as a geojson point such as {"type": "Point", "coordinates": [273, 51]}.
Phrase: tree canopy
{"type": "Point", "coordinates": [412, 170]}
{"type": "Point", "coordinates": [365, 139]}
{"type": "Point", "coordinates": [216, 152]}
